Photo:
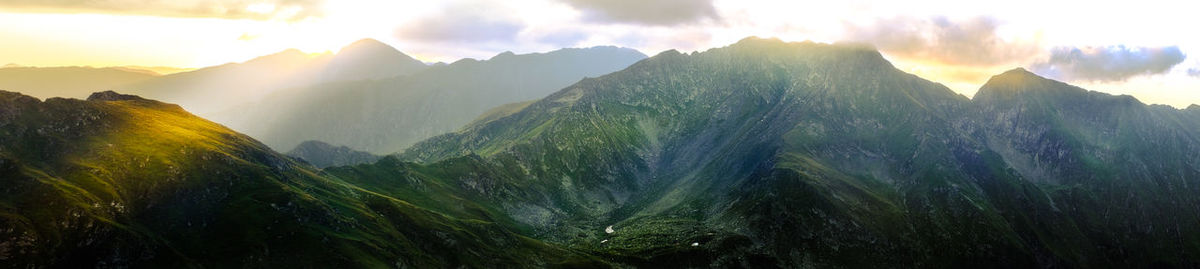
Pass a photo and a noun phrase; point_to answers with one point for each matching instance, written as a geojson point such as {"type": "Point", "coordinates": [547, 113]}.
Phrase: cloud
{"type": "Point", "coordinates": [461, 29]}
{"type": "Point", "coordinates": [563, 38]}
{"type": "Point", "coordinates": [1110, 63]}
{"type": "Point", "coordinates": [967, 42]}
{"type": "Point", "coordinates": [248, 37]}
{"type": "Point", "coordinates": [462, 23]}
{"type": "Point", "coordinates": [1195, 72]}
{"type": "Point", "coordinates": [653, 12]}
{"type": "Point", "coordinates": [291, 10]}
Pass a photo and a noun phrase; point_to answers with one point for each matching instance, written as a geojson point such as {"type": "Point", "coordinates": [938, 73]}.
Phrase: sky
{"type": "Point", "coordinates": [1137, 48]}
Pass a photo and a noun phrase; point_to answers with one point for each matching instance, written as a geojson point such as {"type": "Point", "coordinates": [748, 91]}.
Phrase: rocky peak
{"type": "Point", "coordinates": [503, 55]}
{"type": "Point", "coordinates": [113, 96]}
{"type": "Point", "coordinates": [1020, 83]}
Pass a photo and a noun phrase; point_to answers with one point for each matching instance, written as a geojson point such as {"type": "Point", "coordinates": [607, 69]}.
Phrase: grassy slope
{"type": "Point", "coordinates": [864, 165]}
{"type": "Point", "coordinates": [138, 182]}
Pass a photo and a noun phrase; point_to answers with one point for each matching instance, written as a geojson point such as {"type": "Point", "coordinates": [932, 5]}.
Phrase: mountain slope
{"type": "Point", "coordinates": [69, 82]}
{"type": "Point", "coordinates": [1123, 172]}
{"type": "Point", "coordinates": [767, 153]}
{"type": "Point", "coordinates": [369, 59]}
{"type": "Point", "coordinates": [213, 89]}
{"type": "Point", "coordinates": [761, 154]}
{"type": "Point", "coordinates": [120, 181]}
{"type": "Point", "coordinates": [384, 116]}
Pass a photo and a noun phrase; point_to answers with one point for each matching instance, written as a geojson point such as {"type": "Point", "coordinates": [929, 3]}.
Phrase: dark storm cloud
{"type": "Point", "coordinates": [967, 42]}
{"type": "Point", "coordinates": [1111, 63]}
{"type": "Point", "coordinates": [652, 12]}
{"type": "Point", "coordinates": [229, 9]}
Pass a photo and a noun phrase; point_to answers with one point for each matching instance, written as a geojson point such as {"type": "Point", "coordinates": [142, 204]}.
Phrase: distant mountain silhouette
{"type": "Point", "coordinates": [71, 82]}
{"type": "Point", "coordinates": [384, 116]}
{"type": "Point", "coordinates": [218, 88]}
{"type": "Point", "coordinates": [369, 59]}
{"type": "Point", "coordinates": [322, 155]}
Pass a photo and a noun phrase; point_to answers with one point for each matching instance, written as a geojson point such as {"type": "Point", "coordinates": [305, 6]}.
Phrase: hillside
{"type": "Point", "coordinates": [761, 154]}
{"type": "Point", "coordinates": [218, 88]}
{"type": "Point", "coordinates": [384, 116]}
{"type": "Point", "coordinates": [121, 181]}
{"type": "Point", "coordinates": [767, 153]}
{"type": "Point", "coordinates": [369, 59]}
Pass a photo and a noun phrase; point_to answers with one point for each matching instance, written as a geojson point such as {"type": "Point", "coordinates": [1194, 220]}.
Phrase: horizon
{"type": "Point", "coordinates": [313, 55]}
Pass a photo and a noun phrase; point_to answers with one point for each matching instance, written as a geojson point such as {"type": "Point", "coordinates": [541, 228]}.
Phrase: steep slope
{"type": "Point", "coordinates": [659, 149]}
{"type": "Point", "coordinates": [324, 155]}
{"type": "Point", "coordinates": [384, 116]}
{"type": "Point", "coordinates": [121, 181]}
{"type": "Point", "coordinates": [767, 153]}
{"type": "Point", "coordinates": [69, 82]}
{"type": "Point", "coordinates": [1124, 173]}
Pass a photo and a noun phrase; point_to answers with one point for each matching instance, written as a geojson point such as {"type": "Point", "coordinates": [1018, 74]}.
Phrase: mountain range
{"type": "Point", "coordinates": [322, 155]}
{"type": "Point", "coordinates": [70, 82]}
{"type": "Point", "coordinates": [386, 115]}
{"type": "Point", "coordinates": [211, 89]}
{"type": "Point", "coordinates": [760, 154]}
{"type": "Point", "coordinates": [379, 99]}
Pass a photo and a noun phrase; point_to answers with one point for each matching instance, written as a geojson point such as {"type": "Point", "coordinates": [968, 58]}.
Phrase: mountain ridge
{"type": "Point", "coordinates": [347, 63]}
{"type": "Point", "coordinates": [72, 82]}
{"type": "Point", "coordinates": [760, 154]}
{"type": "Point", "coordinates": [126, 181]}
{"type": "Point", "coordinates": [384, 116]}
{"type": "Point", "coordinates": [875, 151]}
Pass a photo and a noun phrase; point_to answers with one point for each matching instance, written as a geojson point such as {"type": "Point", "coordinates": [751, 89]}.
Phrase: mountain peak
{"type": "Point", "coordinates": [292, 52]}
{"type": "Point", "coordinates": [7, 97]}
{"type": "Point", "coordinates": [1019, 84]}
{"type": "Point", "coordinates": [850, 53]}
{"type": "Point", "coordinates": [759, 40]}
{"type": "Point", "coordinates": [113, 96]}
{"type": "Point", "coordinates": [1018, 73]}
{"type": "Point", "coordinates": [289, 56]}
{"type": "Point", "coordinates": [371, 59]}
{"type": "Point", "coordinates": [322, 155]}
{"type": "Point", "coordinates": [504, 54]}
{"type": "Point", "coordinates": [368, 44]}
{"type": "Point", "coordinates": [1014, 81]}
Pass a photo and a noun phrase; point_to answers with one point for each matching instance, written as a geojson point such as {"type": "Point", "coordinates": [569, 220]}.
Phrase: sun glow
{"type": "Point", "coordinates": [69, 37]}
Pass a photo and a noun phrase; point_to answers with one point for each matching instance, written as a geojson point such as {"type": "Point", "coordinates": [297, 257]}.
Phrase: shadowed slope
{"type": "Point", "coordinates": [123, 181]}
